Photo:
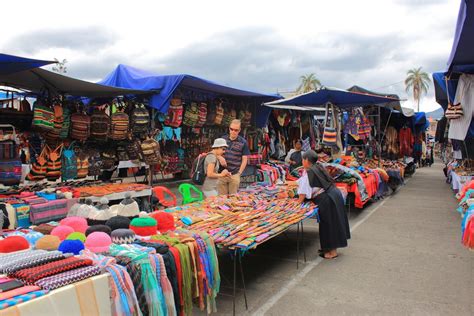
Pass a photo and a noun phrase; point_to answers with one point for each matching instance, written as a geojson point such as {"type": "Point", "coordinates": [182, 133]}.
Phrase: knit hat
{"type": "Point", "coordinates": [165, 221]}
{"type": "Point", "coordinates": [123, 236]}
{"type": "Point", "coordinates": [128, 207]}
{"type": "Point", "coordinates": [71, 246]}
{"type": "Point", "coordinates": [62, 231]}
{"type": "Point", "coordinates": [98, 242]}
{"type": "Point", "coordinates": [33, 237]}
{"type": "Point", "coordinates": [76, 236]}
{"type": "Point", "coordinates": [85, 209]}
{"type": "Point", "coordinates": [13, 243]}
{"type": "Point", "coordinates": [102, 214]}
{"type": "Point", "coordinates": [117, 222]}
{"type": "Point", "coordinates": [98, 228]}
{"type": "Point", "coordinates": [48, 242]}
{"type": "Point", "coordinates": [45, 229]}
{"type": "Point", "coordinates": [79, 224]}
{"type": "Point", "coordinates": [144, 226]}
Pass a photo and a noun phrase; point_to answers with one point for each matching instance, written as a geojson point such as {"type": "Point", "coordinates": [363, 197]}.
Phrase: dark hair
{"type": "Point", "coordinates": [311, 156]}
{"type": "Point", "coordinates": [299, 141]}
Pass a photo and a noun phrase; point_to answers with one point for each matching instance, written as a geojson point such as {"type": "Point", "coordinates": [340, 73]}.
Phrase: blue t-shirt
{"type": "Point", "coordinates": [234, 153]}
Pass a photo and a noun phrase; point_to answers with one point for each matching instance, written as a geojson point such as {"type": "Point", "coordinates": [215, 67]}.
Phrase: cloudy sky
{"type": "Point", "coordinates": [256, 45]}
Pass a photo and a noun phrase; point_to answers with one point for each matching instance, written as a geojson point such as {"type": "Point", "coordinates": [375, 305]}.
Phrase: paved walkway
{"type": "Point", "coordinates": [405, 257]}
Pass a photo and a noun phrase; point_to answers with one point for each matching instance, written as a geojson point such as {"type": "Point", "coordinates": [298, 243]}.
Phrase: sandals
{"type": "Point", "coordinates": [324, 257]}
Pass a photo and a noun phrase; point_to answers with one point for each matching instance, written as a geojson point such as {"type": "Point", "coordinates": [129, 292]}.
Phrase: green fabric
{"type": "Point", "coordinates": [185, 260]}
{"type": "Point", "coordinates": [143, 222]}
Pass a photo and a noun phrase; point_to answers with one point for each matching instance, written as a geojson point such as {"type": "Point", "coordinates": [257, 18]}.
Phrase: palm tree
{"type": "Point", "coordinates": [418, 82]}
{"type": "Point", "coordinates": [308, 83]}
{"type": "Point", "coordinates": [60, 66]}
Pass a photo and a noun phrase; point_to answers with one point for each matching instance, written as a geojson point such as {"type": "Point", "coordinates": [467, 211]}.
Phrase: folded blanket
{"type": "Point", "coordinates": [31, 275]}
{"type": "Point", "coordinates": [35, 261]}
{"type": "Point", "coordinates": [68, 277]}
{"type": "Point", "coordinates": [18, 291]}
{"type": "Point", "coordinates": [21, 298]}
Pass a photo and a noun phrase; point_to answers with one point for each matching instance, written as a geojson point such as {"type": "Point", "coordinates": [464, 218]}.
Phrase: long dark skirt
{"type": "Point", "coordinates": [334, 225]}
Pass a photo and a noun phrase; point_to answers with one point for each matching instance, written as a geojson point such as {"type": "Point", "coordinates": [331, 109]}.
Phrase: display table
{"type": "Point", "coordinates": [88, 297]}
{"type": "Point", "coordinates": [458, 181]}
{"type": "Point", "coordinates": [131, 164]}
{"type": "Point", "coordinates": [121, 195]}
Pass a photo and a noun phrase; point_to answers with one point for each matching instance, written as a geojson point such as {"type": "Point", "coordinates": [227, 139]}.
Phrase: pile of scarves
{"type": "Point", "coordinates": [466, 209]}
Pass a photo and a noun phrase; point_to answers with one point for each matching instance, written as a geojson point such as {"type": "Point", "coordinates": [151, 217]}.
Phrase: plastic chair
{"type": "Point", "coordinates": [161, 193]}
{"type": "Point", "coordinates": [186, 191]}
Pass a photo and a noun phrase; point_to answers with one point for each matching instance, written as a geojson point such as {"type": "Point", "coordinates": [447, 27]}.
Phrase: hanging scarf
{"type": "Point", "coordinates": [148, 277]}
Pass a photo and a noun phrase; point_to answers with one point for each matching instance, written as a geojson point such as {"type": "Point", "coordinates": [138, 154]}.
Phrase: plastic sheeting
{"type": "Point", "coordinates": [11, 64]}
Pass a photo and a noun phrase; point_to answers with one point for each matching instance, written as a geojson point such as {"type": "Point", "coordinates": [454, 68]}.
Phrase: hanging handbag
{"type": "Point", "coordinates": [39, 167]}
{"type": "Point", "coordinates": [175, 113]}
{"type": "Point", "coordinates": [454, 111]}
{"type": "Point", "coordinates": [151, 151]}
{"type": "Point", "coordinates": [330, 133]}
{"type": "Point", "coordinates": [69, 164]}
{"type": "Point", "coordinates": [10, 163]}
{"type": "Point", "coordinates": [191, 115]}
{"type": "Point", "coordinates": [82, 165]}
{"type": "Point", "coordinates": [219, 114]}
{"type": "Point", "coordinates": [43, 117]}
{"type": "Point", "coordinates": [54, 164]}
{"type": "Point", "coordinates": [53, 135]}
{"type": "Point", "coordinates": [80, 126]}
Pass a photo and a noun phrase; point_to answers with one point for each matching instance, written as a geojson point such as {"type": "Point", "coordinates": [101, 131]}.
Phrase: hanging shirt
{"type": "Point", "coordinates": [465, 96]}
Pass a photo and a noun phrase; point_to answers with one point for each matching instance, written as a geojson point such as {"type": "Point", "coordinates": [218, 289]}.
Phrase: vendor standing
{"type": "Point", "coordinates": [317, 185]}
{"type": "Point", "coordinates": [235, 159]}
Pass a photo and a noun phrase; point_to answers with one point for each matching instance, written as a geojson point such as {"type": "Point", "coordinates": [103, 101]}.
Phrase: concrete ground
{"type": "Point", "coordinates": [405, 257]}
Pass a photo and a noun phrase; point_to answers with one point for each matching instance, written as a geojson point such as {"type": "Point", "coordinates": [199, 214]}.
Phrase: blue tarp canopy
{"type": "Point", "coordinates": [129, 77]}
{"type": "Point", "coordinates": [339, 97]}
{"type": "Point", "coordinates": [39, 81]}
{"type": "Point", "coordinates": [441, 93]}
{"type": "Point", "coordinates": [11, 64]}
{"type": "Point", "coordinates": [461, 58]}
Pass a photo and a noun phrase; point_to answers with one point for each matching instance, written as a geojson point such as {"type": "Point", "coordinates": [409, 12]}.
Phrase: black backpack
{"type": "Point", "coordinates": [198, 173]}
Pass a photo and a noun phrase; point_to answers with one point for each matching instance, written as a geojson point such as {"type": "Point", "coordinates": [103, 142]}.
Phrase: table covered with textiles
{"type": "Point", "coordinates": [247, 219]}
{"type": "Point", "coordinates": [457, 180]}
{"type": "Point", "coordinates": [87, 297]}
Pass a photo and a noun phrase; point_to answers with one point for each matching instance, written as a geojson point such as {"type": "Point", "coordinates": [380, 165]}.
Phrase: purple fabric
{"type": "Point", "coordinates": [68, 277]}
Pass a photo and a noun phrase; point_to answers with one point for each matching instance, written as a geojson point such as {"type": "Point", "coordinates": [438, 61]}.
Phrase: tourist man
{"type": "Point", "coordinates": [235, 160]}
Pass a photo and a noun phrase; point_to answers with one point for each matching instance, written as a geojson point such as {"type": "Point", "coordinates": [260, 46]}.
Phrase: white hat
{"type": "Point", "coordinates": [219, 142]}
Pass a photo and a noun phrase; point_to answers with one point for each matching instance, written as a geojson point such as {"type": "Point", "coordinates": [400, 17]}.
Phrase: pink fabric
{"type": "Point", "coordinates": [18, 291]}
{"type": "Point", "coordinates": [4, 279]}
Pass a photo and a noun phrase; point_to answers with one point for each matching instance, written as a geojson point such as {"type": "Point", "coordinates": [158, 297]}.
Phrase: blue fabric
{"type": "Point", "coordinates": [440, 89]}
{"type": "Point", "coordinates": [127, 77]}
{"type": "Point", "coordinates": [461, 58]}
{"type": "Point", "coordinates": [11, 64]}
{"type": "Point", "coordinates": [340, 98]}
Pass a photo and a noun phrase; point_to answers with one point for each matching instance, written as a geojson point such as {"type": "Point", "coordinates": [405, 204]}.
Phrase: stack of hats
{"type": "Point", "coordinates": [102, 214]}
{"type": "Point", "coordinates": [71, 246]}
{"type": "Point", "coordinates": [77, 236]}
{"type": "Point", "coordinates": [144, 226]}
{"type": "Point", "coordinates": [62, 231]}
{"type": "Point", "coordinates": [13, 243]}
{"type": "Point", "coordinates": [48, 242]}
{"type": "Point", "coordinates": [86, 209]}
{"type": "Point", "coordinates": [98, 228]}
{"type": "Point", "coordinates": [123, 236]}
{"type": "Point", "coordinates": [98, 242]}
{"type": "Point", "coordinates": [128, 207]}
{"type": "Point", "coordinates": [78, 224]}
{"type": "Point", "coordinates": [165, 221]}
{"type": "Point", "coordinates": [33, 237]}
{"type": "Point", "coordinates": [118, 222]}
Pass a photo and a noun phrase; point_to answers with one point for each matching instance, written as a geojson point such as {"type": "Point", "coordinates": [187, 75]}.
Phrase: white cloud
{"type": "Point", "coordinates": [257, 45]}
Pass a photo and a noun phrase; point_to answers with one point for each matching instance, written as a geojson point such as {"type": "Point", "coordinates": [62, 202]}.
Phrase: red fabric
{"type": "Point", "coordinates": [371, 185]}
{"type": "Point", "coordinates": [179, 272]}
{"type": "Point", "coordinates": [406, 142]}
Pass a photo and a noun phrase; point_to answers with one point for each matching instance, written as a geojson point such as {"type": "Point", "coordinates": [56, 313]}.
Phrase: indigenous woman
{"type": "Point", "coordinates": [316, 184]}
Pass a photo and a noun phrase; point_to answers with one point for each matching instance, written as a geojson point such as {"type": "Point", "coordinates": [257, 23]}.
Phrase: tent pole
{"type": "Point", "coordinates": [379, 145]}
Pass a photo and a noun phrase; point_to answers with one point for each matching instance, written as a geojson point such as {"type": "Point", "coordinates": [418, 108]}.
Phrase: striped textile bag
{"type": "Point", "coordinates": [330, 132]}
{"type": "Point", "coordinates": [119, 123]}
{"type": "Point", "coordinates": [43, 117]}
{"type": "Point", "coordinates": [47, 212]}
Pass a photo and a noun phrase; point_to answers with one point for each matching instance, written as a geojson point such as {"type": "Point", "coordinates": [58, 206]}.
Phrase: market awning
{"type": "Point", "coordinates": [11, 64]}
{"type": "Point", "coordinates": [461, 58]}
{"type": "Point", "coordinates": [441, 91]}
{"type": "Point", "coordinates": [133, 78]}
{"type": "Point", "coordinates": [339, 97]}
{"type": "Point", "coordinates": [39, 81]}
{"type": "Point", "coordinates": [392, 105]}
{"type": "Point", "coordinates": [297, 108]}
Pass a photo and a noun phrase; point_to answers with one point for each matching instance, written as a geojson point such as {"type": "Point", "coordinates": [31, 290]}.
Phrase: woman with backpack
{"type": "Point", "coordinates": [211, 167]}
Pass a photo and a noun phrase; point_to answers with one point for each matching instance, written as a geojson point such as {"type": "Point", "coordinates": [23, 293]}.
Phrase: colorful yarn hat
{"type": "Point", "coordinates": [118, 222]}
{"type": "Point", "coordinates": [48, 242]}
{"type": "Point", "coordinates": [98, 228]}
{"type": "Point", "coordinates": [165, 221]}
{"type": "Point", "coordinates": [123, 236]}
{"type": "Point", "coordinates": [144, 226]}
{"type": "Point", "coordinates": [71, 246]}
{"type": "Point", "coordinates": [98, 242]}
{"type": "Point", "coordinates": [33, 237]}
{"type": "Point", "coordinates": [77, 223]}
{"type": "Point", "coordinates": [13, 243]}
{"type": "Point", "coordinates": [62, 231]}
{"type": "Point", "coordinates": [77, 236]}
{"type": "Point", "coordinates": [45, 229]}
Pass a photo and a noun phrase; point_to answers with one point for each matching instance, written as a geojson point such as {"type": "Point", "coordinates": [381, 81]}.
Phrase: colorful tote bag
{"type": "Point", "coordinates": [330, 132]}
